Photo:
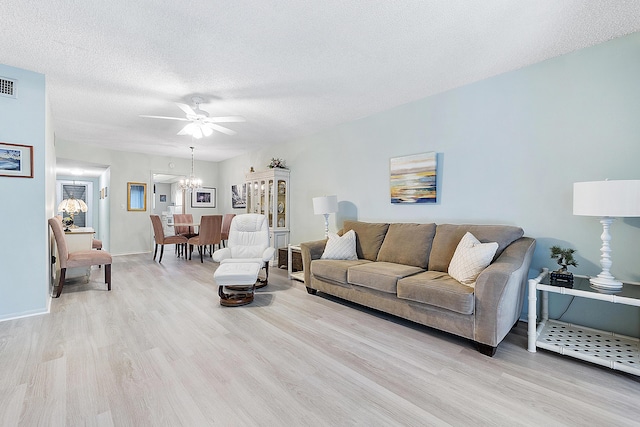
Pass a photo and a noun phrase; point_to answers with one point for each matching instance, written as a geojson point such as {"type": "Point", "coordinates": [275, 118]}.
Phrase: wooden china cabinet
{"type": "Point", "coordinates": [268, 194]}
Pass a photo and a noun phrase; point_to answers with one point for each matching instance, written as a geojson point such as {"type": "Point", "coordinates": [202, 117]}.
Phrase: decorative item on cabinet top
{"type": "Point", "coordinates": [277, 163]}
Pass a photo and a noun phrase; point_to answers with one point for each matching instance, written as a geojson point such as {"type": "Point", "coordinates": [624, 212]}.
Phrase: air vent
{"type": "Point", "coordinates": [8, 87]}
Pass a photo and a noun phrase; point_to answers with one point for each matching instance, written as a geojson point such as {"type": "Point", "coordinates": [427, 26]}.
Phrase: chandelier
{"type": "Point", "coordinates": [192, 182]}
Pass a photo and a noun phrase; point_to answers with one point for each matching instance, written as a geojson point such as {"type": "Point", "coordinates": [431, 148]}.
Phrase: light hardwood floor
{"type": "Point", "coordinates": [160, 350]}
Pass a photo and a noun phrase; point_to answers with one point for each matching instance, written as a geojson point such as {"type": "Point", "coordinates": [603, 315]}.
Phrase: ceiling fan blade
{"type": "Point", "coordinates": [220, 128]}
{"type": "Point", "coordinates": [186, 109]}
{"type": "Point", "coordinates": [226, 119]}
{"type": "Point", "coordinates": [187, 130]}
{"type": "Point", "coordinates": [165, 117]}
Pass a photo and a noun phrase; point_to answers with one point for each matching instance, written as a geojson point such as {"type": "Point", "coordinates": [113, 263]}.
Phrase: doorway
{"type": "Point", "coordinates": [167, 198]}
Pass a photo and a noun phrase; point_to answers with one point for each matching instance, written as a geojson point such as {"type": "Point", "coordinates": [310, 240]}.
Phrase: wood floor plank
{"type": "Point", "coordinates": [160, 350]}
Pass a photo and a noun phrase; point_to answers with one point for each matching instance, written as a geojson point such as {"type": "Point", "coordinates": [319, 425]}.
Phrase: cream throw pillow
{"type": "Point", "coordinates": [341, 247]}
{"type": "Point", "coordinates": [470, 258]}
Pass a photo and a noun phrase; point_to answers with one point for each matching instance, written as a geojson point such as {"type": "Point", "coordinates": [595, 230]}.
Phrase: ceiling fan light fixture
{"type": "Point", "coordinates": [206, 130]}
{"type": "Point", "coordinates": [196, 132]}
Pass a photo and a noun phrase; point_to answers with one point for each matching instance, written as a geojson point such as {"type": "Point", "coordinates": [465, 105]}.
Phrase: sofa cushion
{"type": "Point", "coordinates": [470, 258]}
{"type": "Point", "coordinates": [448, 236]}
{"type": "Point", "coordinates": [369, 237]}
{"type": "Point", "coordinates": [438, 289]}
{"type": "Point", "coordinates": [341, 247]}
{"type": "Point", "coordinates": [334, 270]}
{"type": "Point", "coordinates": [408, 244]}
{"type": "Point", "coordinates": [382, 276]}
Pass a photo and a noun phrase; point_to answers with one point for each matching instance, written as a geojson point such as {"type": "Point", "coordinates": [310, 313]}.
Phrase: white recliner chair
{"type": "Point", "coordinates": [248, 251]}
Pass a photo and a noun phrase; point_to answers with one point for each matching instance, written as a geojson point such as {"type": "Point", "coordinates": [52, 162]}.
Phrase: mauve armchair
{"type": "Point", "coordinates": [75, 259]}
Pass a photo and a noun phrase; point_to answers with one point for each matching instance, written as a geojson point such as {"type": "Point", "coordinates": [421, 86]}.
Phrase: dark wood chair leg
{"type": "Point", "coordinates": [201, 249]}
{"type": "Point", "coordinates": [155, 252]}
{"type": "Point", "coordinates": [107, 276]}
{"type": "Point", "coordinates": [63, 272]}
{"type": "Point", "coordinates": [161, 253]}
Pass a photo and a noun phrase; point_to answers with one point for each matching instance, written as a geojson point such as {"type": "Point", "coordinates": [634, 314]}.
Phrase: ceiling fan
{"type": "Point", "coordinates": [200, 123]}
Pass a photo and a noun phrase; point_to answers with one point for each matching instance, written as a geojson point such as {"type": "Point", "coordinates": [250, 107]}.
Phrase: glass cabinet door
{"type": "Point", "coordinates": [270, 192]}
{"type": "Point", "coordinates": [256, 197]}
{"type": "Point", "coordinates": [282, 201]}
{"type": "Point", "coordinates": [263, 200]}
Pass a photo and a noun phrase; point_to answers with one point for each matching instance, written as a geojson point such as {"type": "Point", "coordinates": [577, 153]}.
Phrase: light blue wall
{"type": "Point", "coordinates": [26, 202]}
{"type": "Point", "coordinates": [511, 148]}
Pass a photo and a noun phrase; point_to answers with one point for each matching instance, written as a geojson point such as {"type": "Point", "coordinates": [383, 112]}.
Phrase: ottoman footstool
{"type": "Point", "coordinates": [236, 282]}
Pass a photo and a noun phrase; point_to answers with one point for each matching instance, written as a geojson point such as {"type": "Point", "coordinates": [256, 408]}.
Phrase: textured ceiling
{"type": "Point", "coordinates": [290, 67]}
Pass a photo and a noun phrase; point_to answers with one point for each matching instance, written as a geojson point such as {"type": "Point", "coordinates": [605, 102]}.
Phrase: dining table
{"type": "Point", "coordinates": [186, 224]}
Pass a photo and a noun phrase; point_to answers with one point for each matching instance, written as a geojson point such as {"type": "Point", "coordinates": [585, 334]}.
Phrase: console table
{"type": "Point", "coordinates": [603, 348]}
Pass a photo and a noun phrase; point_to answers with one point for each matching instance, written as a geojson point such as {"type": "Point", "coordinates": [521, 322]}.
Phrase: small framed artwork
{"type": "Point", "coordinates": [413, 178]}
{"type": "Point", "coordinates": [163, 197]}
{"type": "Point", "coordinates": [16, 160]}
{"type": "Point", "coordinates": [204, 197]}
{"type": "Point", "coordinates": [239, 196]}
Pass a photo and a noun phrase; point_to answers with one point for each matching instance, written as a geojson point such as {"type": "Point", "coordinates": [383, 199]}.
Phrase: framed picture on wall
{"type": "Point", "coordinates": [239, 196]}
{"type": "Point", "coordinates": [413, 178]}
{"type": "Point", "coordinates": [204, 197]}
{"type": "Point", "coordinates": [163, 197]}
{"type": "Point", "coordinates": [16, 160]}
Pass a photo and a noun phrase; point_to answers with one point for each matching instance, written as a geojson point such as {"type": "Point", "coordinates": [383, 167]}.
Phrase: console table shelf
{"type": "Point", "coordinates": [603, 348]}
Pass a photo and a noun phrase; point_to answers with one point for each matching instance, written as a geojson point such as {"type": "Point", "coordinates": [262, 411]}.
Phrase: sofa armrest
{"type": "Point", "coordinates": [310, 251]}
{"type": "Point", "coordinates": [500, 291]}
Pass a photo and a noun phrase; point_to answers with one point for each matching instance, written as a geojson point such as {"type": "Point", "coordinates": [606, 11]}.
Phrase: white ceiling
{"type": "Point", "coordinates": [290, 67]}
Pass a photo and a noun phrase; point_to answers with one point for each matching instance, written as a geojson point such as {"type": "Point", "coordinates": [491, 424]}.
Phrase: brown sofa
{"type": "Point", "coordinates": [402, 270]}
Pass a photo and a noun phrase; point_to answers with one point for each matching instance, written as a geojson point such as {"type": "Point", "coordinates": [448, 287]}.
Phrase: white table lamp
{"type": "Point", "coordinates": [325, 205]}
{"type": "Point", "coordinates": [608, 200]}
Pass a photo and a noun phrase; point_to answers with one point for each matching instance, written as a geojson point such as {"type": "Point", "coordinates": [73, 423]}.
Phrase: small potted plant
{"type": "Point", "coordinates": [564, 258]}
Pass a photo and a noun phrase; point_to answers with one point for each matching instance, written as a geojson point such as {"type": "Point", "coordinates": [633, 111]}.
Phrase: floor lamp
{"type": "Point", "coordinates": [608, 200]}
{"type": "Point", "coordinates": [325, 205]}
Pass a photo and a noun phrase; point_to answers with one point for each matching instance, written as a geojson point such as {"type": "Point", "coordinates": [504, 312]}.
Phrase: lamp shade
{"type": "Point", "coordinates": [72, 205]}
{"type": "Point", "coordinates": [325, 205]}
{"type": "Point", "coordinates": [607, 198]}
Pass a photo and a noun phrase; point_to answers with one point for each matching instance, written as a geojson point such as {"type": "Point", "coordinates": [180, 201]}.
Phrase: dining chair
{"type": "Point", "coordinates": [209, 234]}
{"type": "Point", "coordinates": [183, 230]}
{"type": "Point", "coordinates": [226, 224]}
{"type": "Point", "coordinates": [85, 258]}
{"type": "Point", "coordinates": [161, 239]}
{"type": "Point", "coordinates": [249, 242]}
